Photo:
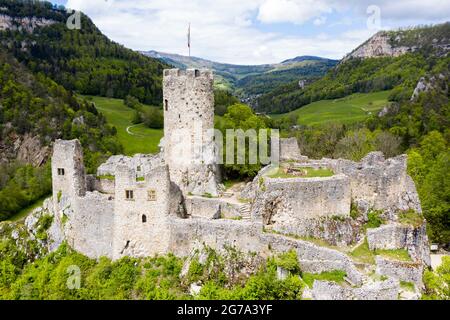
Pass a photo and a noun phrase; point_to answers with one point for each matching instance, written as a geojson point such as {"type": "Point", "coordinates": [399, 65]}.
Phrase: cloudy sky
{"type": "Point", "coordinates": [255, 31]}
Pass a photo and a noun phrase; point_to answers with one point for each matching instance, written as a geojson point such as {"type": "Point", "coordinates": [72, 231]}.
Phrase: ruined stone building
{"type": "Point", "coordinates": [155, 204]}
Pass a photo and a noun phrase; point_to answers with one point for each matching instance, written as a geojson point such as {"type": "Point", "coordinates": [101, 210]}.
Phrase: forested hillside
{"type": "Point", "coordinates": [363, 75]}
{"type": "Point", "coordinates": [84, 60]}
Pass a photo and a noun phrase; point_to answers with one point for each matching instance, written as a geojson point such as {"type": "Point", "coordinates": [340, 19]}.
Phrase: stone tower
{"type": "Point", "coordinates": [68, 174]}
{"type": "Point", "coordinates": [189, 147]}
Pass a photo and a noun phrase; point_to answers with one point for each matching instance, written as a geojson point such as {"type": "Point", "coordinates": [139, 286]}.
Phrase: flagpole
{"type": "Point", "coordinates": [189, 39]}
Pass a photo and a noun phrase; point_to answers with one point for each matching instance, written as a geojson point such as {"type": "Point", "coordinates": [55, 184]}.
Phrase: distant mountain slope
{"type": "Point", "coordinates": [251, 80]}
{"type": "Point", "coordinates": [396, 43]}
{"type": "Point", "coordinates": [84, 60]}
{"type": "Point", "coordinates": [381, 63]}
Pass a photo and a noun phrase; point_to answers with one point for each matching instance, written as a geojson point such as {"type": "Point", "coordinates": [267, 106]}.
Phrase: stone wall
{"type": "Point", "coordinates": [382, 184]}
{"type": "Point", "coordinates": [286, 200]}
{"type": "Point", "coordinates": [68, 174]}
{"type": "Point", "coordinates": [381, 290]}
{"type": "Point", "coordinates": [140, 221]}
{"type": "Point", "coordinates": [211, 208]}
{"type": "Point", "coordinates": [105, 185]}
{"type": "Point", "coordinates": [141, 163]}
{"type": "Point", "coordinates": [187, 234]}
{"type": "Point", "coordinates": [401, 270]}
{"type": "Point", "coordinates": [289, 150]}
{"type": "Point", "coordinates": [398, 236]}
{"type": "Point", "coordinates": [89, 224]}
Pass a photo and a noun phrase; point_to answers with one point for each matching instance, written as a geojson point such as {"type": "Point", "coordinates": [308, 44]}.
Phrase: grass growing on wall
{"type": "Point", "coordinates": [310, 173]}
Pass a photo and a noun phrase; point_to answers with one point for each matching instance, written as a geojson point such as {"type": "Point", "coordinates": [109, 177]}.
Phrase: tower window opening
{"type": "Point", "coordinates": [60, 172]}
{"type": "Point", "coordinates": [166, 105]}
{"type": "Point", "coordinates": [151, 195]}
{"type": "Point", "coordinates": [144, 218]}
{"type": "Point", "coordinates": [197, 73]}
{"type": "Point", "coordinates": [129, 194]}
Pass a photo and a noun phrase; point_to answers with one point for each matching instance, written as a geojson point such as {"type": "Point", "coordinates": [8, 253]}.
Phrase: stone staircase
{"type": "Point", "coordinates": [245, 211]}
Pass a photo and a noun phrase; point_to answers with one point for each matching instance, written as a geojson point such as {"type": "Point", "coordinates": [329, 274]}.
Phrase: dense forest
{"type": "Point", "coordinates": [83, 60]}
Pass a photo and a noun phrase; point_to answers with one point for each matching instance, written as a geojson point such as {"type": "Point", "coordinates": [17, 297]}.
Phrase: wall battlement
{"type": "Point", "coordinates": [189, 73]}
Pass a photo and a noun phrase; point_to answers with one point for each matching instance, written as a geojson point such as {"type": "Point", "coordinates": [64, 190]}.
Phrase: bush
{"type": "Point", "coordinates": [153, 118]}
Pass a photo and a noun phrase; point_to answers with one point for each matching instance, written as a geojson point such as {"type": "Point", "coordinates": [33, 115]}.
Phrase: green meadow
{"type": "Point", "coordinates": [353, 108]}
{"type": "Point", "coordinates": [138, 138]}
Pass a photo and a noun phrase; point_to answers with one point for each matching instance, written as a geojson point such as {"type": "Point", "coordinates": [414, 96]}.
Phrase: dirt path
{"type": "Point", "coordinates": [131, 133]}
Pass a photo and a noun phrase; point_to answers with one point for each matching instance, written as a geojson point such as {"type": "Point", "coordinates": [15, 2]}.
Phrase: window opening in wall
{"type": "Point", "coordinates": [129, 194]}
{"type": "Point", "coordinates": [144, 218]}
{"type": "Point", "coordinates": [151, 195]}
{"type": "Point", "coordinates": [60, 172]}
{"type": "Point", "coordinates": [166, 104]}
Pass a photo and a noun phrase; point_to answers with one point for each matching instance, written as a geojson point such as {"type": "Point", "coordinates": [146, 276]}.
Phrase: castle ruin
{"type": "Point", "coordinates": [155, 204]}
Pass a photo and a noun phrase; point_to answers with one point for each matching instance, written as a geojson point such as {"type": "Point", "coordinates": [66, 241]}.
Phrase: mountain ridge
{"type": "Point", "coordinates": [249, 81]}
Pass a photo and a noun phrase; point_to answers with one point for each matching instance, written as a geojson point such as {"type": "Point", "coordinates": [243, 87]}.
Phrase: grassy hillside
{"type": "Point", "coordinates": [138, 138]}
{"type": "Point", "coordinates": [353, 108]}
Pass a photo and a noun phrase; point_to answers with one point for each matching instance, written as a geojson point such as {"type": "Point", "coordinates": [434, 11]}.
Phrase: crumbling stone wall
{"type": "Point", "coordinates": [211, 208]}
{"type": "Point", "coordinates": [382, 184]}
{"type": "Point", "coordinates": [380, 290]}
{"type": "Point", "coordinates": [282, 201]}
{"type": "Point", "coordinates": [88, 224]}
{"type": "Point", "coordinates": [401, 270]}
{"type": "Point", "coordinates": [141, 163]}
{"type": "Point", "coordinates": [289, 150]}
{"type": "Point", "coordinates": [398, 236]}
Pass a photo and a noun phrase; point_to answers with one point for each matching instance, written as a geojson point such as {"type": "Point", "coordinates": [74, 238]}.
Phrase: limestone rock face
{"type": "Point", "coordinates": [426, 84]}
{"type": "Point", "coordinates": [32, 151]}
{"type": "Point", "coordinates": [378, 46]}
{"type": "Point", "coordinates": [27, 24]}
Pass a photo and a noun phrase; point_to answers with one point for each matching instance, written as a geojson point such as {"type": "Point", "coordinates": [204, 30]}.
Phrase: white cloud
{"type": "Point", "coordinates": [294, 11]}
{"type": "Point", "coordinates": [320, 21]}
{"type": "Point", "coordinates": [237, 31]}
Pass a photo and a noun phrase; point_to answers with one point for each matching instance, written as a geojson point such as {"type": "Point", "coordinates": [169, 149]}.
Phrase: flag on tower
{"type": "Point", "coordinates": [189, 38]}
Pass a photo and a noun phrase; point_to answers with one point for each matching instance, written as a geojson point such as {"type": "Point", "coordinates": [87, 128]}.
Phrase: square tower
{"type": "Point", "coordinates": [189, 146]}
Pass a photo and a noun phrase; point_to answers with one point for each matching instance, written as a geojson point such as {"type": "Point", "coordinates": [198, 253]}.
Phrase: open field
{"type": "Point", "coordinates": [353, 108]}
{"type": "Point", "coordinates": [134, 138]}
